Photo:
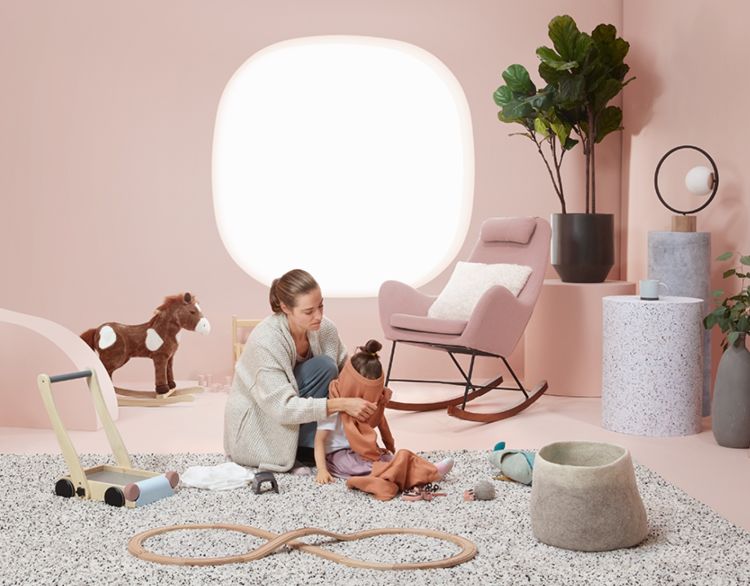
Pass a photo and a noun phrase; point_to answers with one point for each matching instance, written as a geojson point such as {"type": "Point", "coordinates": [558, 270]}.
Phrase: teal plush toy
{"type": "Point", "coordinates": [517, 465]}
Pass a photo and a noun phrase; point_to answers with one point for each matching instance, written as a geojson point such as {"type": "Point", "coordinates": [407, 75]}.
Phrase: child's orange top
{"type": "Point", "coordinates": [361, 434]}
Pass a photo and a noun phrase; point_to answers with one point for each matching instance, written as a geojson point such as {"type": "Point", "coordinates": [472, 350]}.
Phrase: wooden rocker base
{"type": "Point", "coordinates": [535, 393]}
{"type": "Point", "coordinates": [289, 539]}
{"type": "Point", "coordinates": [132, 398]}
{"type": "Point", "coordinates": [449, 403]}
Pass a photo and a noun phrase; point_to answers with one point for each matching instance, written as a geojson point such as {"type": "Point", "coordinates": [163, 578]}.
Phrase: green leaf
{"type": "Point", "coordinates": [745, 260]}
{"type": "Point", "coordinates": [718, 293]}
{"type": "Point", "coordinates": [570, 143]}
{"type": "Point", "coordinates": [602, 91]}
{"type": "Point", "coordinates": [725, 256]}
{"type": "Point", "coordinates": [553, 60]}
{"type": "Point", "coordinates": [541, 127]}
{"type": "Point", "coordinates": [709, 321]}
{"type": "Point", "coordinates": [571, 91]}
{"type": "Point", "coordinates": [516, 111]}
{"type": "Point", "coordinates": [732, 338]}
{"type": "Point", "coordinates": [609, 120]}
{"type": "Point", "coordinates": [728, 273]}
{"type": "Point", "coordinates": [550, 74]}
{"type": "Point", "coordinates": [570, 43]}
{"type": "Point", "coordinates": [610, 49]}
{"type": "Point", "coordinates": [562, 132]}
{"type": "Point", "coordinates": [518, 80]}
{"type": "Point", "coordinates": [503, 95]}
{"type": "Point", "coordinates": [542, 101]}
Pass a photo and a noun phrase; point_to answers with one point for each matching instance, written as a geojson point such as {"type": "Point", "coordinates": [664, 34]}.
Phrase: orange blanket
{"type": "Point", "coordinates": [388, 478]}
{"type": "Point", "coordinates": [361, 434]}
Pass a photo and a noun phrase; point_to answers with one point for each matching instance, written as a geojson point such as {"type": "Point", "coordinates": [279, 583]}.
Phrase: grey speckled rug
{"type": "Point", "coordinates": [45, 539]}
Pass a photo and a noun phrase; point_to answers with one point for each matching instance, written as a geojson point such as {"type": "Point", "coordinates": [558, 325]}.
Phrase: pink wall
{"type": "Point", "coordinates": [106, 119]}
{"type": "Point", "coordinates": [690, 58]}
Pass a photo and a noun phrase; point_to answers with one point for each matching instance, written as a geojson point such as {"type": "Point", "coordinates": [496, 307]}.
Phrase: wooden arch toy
{"type": "Point", "coordinates": [80, 355]}
{"type": "Point", "coordinates": [289, 539]}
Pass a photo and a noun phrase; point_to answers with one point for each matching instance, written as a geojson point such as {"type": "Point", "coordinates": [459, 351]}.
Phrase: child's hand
{"type": "Point", "coordinates": [323, 477]}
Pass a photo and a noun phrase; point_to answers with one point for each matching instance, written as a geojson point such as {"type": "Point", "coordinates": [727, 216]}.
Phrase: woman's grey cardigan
{"type": "Point", "coordinates": [263, 411]}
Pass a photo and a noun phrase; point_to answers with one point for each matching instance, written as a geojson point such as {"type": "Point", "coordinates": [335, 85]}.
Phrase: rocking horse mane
{"type": "Point", "coordinates": [169, 301]}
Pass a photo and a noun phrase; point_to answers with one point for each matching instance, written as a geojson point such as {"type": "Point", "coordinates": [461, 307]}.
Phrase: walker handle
{"type": "Point", "coordinates": [58, 378]}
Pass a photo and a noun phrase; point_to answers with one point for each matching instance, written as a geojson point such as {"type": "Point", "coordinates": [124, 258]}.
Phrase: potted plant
{"type": "Point", "coordinates": [583, 74]}
{"type": "Point", "coordinates": [730, 408]}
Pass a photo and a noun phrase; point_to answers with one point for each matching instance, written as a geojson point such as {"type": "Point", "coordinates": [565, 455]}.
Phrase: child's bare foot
{"type": "Point", "coordinates": [300, 470]}
{"type": "Point", "coordinates": [444, 466]}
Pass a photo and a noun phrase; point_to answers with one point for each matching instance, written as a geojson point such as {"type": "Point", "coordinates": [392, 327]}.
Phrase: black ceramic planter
{"type": "Point", "coordinates": [583, 246]}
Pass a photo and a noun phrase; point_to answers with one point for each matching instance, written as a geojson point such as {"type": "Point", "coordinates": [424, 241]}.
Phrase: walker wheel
{"type": "Point", "coordinates": [114, 496]}
{"type": "Point", "coordinates": [64, 487]}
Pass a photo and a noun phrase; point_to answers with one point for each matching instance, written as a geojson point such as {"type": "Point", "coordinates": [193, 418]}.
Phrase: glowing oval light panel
{"type": "Point", "coordinates": [349, 157]}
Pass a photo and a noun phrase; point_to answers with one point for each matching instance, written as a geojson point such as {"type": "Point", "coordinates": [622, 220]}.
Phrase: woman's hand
{"type": "Point", "coordinates": [323, 477]}
{"type": "Point", "coordinates": [360, 409]}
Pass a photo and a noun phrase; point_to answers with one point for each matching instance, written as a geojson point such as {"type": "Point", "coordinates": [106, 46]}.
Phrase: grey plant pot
{"type": "Point", "coordinates": [730, 409]}
{"type": "Point", "coordinates": [584, 497]}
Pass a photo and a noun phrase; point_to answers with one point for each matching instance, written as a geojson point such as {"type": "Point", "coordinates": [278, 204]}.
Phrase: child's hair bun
{"type": "Point", "coordinates": [372, 346]}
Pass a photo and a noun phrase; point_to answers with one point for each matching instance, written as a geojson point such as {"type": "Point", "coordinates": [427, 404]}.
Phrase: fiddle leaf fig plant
{"type": "Point", "coordinates": [587, 72]}
{"type": "Point", "coordinates": [522, 103]}
{"type": "Point", "coordinates": [583, 74]}
{"type": "Point", "coordinates": [732, 315]}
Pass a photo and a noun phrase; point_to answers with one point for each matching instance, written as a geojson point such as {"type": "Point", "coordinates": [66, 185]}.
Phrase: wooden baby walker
{"type": "Point", "coordinates": [120, 485]}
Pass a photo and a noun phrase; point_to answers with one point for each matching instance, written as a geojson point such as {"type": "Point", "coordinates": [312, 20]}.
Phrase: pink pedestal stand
{"type": "Point", "coordinates": [563, 342]}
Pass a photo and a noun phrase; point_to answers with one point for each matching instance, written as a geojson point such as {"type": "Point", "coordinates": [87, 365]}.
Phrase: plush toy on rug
{"type": "Point", "coordinates": [483, 490]}
{"type": "Point", "coordinates": [156, 339]}
{"type": "Point", "coordinates": [517, 465]}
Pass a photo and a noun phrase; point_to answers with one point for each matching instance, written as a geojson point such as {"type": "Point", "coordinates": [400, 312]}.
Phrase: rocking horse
{"type": "Point", "coordinates": [117, 343]}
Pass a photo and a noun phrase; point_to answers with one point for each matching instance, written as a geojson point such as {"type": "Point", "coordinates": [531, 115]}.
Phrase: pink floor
{"type": "Point", "coordinates": [717, 476]}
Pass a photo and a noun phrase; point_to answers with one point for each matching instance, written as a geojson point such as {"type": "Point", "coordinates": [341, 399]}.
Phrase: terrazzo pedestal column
{"type": "Point", "coordinates": [652, 365]}
{"type": "Point", "coordinates": [682, 260]}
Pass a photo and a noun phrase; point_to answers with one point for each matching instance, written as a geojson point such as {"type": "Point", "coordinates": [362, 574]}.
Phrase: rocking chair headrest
{"type": "Point", "coordinates": [517, 230]}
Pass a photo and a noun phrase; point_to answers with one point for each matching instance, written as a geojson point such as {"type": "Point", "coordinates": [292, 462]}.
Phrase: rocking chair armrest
{"type": "Point", "coordinates": [398, 297]}
{"type": "Point", "coordinates": [498, 316]}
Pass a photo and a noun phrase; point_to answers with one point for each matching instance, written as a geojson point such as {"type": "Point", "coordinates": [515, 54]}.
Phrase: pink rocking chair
{"type": "Point", "coordinates": [494, 327]}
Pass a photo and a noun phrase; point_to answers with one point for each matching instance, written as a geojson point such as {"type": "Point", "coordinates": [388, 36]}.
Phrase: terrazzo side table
{"type": "Point", "coordinates": [563, 339]}
{"type": "Point", "coordinates": [652, 365]}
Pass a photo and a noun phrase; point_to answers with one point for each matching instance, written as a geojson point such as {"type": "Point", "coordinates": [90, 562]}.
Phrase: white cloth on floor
{"type": "Point", "coordinates": [221, 477]}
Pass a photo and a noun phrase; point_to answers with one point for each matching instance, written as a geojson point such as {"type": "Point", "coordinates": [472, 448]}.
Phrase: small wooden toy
{"type": "Point", "coordinates": [120, 485]}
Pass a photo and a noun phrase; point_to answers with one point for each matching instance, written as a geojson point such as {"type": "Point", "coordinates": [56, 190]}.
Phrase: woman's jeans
{"type": "Point", "coordinates": [313, 377]}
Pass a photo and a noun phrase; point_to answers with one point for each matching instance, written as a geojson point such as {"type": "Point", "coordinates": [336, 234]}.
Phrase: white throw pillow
{"type": "Point", "coordinates": [468, 283]}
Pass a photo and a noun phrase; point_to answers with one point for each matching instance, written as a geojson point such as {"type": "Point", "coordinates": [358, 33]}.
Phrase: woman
{"type": "Point", "coordinates": [280, 386]}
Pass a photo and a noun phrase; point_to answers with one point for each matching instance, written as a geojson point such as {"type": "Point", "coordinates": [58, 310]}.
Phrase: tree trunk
{"type": "Point", "coordinates": [592, 126]}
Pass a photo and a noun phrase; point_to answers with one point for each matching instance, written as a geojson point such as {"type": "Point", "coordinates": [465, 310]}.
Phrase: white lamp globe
{"type": "Point", "coordinates": [699, 180]}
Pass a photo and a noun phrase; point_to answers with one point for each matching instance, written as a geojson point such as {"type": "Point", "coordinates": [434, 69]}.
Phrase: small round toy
{"type": "Point", "coordinates": [483, 490]}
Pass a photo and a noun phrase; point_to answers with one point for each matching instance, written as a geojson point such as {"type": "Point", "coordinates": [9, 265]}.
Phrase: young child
{"type": "Point", "coordinates": [346, 447]}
